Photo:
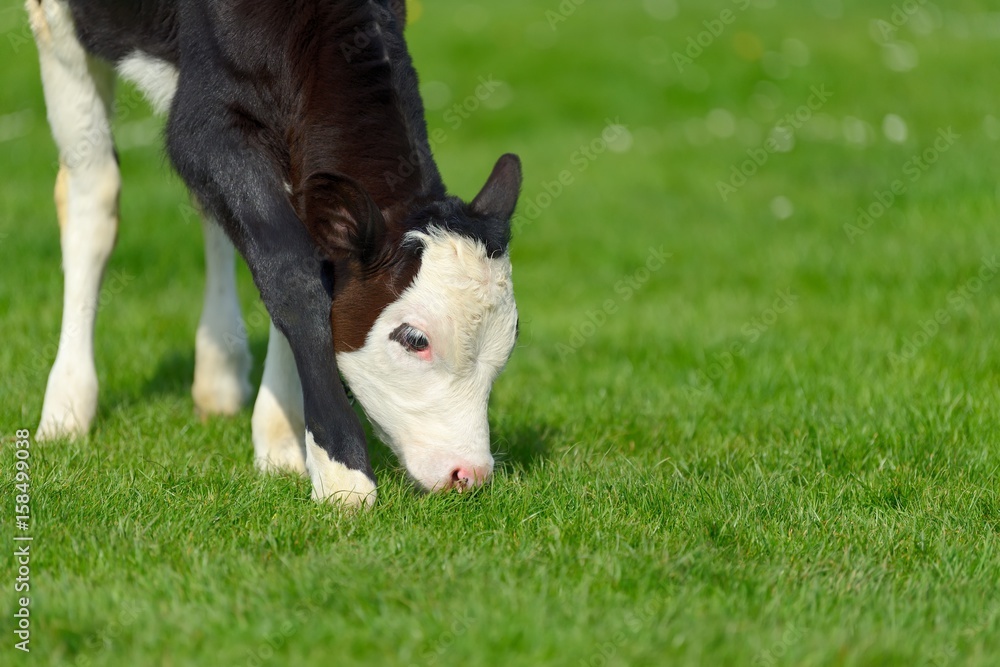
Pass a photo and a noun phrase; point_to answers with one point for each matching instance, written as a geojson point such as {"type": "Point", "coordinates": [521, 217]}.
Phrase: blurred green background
{"type": "Point", "coordinates": [752, 418]}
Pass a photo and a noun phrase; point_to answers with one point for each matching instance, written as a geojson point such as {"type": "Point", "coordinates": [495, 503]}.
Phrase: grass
{"type": "Point", "coordinates": [700, 480]}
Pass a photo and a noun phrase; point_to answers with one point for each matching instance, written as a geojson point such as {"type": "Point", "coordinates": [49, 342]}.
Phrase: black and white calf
{"type": "Point", "coordinates": [306, 148]}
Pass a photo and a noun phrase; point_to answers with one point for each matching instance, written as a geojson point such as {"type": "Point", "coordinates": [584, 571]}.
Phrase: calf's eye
{"type": "Point", "coordinates": [411, 338]}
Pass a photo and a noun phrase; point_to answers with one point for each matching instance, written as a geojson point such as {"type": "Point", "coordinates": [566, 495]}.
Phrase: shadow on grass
{"type": "Point", "coordinates": [516, 443]}
{"type": "Point", "coordinates": [173, 377]}
{"type": "Point", "coordinates": [521, 445]}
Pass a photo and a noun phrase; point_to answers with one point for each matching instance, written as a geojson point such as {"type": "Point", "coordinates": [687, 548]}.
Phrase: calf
{"type": "Point", "coordinates": [306, 148]}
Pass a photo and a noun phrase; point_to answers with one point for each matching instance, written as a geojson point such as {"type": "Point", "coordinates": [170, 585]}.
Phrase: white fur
{"type": "Point", "coordinates": [78, 95]}
{"type": "Point", "coordinates": [222, 356]}
{"type": "Point", "coordinates": [278, 425]}
{"type": "Point", "coordinates": [334, 481]}
{"type": "Point", "coordinates": [434, 413]}
{"type": "Point", "coordinates": [157, 79]}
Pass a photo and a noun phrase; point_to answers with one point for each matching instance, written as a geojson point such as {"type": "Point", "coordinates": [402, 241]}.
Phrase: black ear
{"type": "Point", "coordinates": [498, 197]}
{"type": "Point", "coordinates": [340, 216]}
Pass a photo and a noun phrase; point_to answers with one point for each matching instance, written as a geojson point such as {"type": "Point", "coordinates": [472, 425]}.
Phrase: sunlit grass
{"type": "Point", "coordinates": [754, 452]}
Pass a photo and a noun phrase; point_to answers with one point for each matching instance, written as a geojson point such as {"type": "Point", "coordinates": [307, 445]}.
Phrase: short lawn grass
{"type": "Point", "coordinates": [744, 425]}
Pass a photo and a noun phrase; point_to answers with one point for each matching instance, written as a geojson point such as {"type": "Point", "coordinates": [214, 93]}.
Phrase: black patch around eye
{"type": "Point", "coordinates": [412, 339]}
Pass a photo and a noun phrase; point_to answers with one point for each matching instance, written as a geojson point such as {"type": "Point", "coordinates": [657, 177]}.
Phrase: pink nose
{"type": "Point", "coordinates": [466, 478]}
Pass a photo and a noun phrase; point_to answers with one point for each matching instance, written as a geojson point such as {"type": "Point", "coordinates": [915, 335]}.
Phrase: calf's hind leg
{"type": "Point", "coordinates": [78, 95]}
{"type": "Point", "coordinates": [222, 356]}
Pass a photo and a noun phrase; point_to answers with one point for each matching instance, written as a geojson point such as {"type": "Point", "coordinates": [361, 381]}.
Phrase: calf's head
{"type": "Point", "coordinates": [423, 318]}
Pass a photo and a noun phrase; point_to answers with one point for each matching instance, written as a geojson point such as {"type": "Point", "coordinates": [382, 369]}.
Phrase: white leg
{"type": "Point", "coordinates": [222, 357]}
{"type": "Point", "coordinates": [277, 424]}
{"type": "Point", "coordinates": [332, 481]}
{"type": "Point", "coordinates": [78, 95]}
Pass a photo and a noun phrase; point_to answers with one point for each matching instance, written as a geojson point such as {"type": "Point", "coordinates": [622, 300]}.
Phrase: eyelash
{"type": "Point", "coordinates": [410, 338]}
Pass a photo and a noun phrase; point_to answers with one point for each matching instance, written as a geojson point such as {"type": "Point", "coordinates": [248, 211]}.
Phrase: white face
{"type": "Point", "coordinates": [425, 372]}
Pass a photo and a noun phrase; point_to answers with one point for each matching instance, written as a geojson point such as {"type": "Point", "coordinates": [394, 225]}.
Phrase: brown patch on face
{"type": "Point", "coordinates": [358, 300]}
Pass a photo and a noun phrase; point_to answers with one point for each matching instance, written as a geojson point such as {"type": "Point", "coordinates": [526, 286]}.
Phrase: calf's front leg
{"type": "Point", "coordinates": [278, 426]}
{"type": "Point", "coordinates": [238, 186]}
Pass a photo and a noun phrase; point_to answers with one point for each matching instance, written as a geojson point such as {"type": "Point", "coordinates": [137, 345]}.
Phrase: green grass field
{"type": "Point", "coordinates": [744, 424]}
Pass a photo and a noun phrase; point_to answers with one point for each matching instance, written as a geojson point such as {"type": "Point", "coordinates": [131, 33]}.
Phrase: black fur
{"type": "Point", "coordinates": [321, 96]}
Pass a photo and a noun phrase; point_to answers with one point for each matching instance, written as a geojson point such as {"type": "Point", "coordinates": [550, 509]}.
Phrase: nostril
{"type": "Point", "coordinates": [460, 479]}
{"type": "Point", "coordinates": [468, 477]}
